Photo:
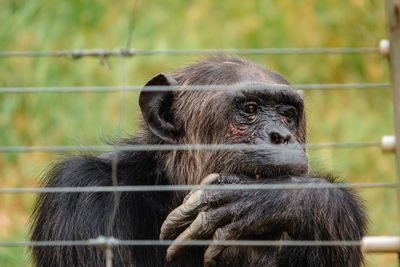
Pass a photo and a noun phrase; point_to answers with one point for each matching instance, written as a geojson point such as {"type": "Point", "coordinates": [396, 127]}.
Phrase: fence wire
{"type": "Point", "coordinates": [184, 147]}
{"type": "Point", "coordinates": [306, 87]}
{"type": "Point", "coordinates": [117, 242]}
{"type": "Point", "coordinates": [114, 164]}
{"type": "Point", "coordinates": [127, 52]}
{"type": "Point", "coordinates": [225, 187]}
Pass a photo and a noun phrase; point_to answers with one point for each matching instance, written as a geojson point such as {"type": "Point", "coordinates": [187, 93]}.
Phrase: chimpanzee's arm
{"type": "Point", "coordinates": [323, 214]}
{"type": "Point", "coordinates": [83, 216]}
{"type": "Point", "coordinates": [302, 214]}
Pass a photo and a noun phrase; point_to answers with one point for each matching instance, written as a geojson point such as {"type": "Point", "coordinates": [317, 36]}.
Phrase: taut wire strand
{"type": "Point", "coordinates": [225, 187]}
{"type": "Point", "coordinates": [149, 147]}
{"type": "Point", "coordinates": [117, 242]}
{"type": "Point", "coordinates": [76, 89]}
{"type": "Point", "coordinates": [98, 52]}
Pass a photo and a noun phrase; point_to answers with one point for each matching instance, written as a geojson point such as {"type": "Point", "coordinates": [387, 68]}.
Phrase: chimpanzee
{"type": "Point", "coordinates": [273, 118]}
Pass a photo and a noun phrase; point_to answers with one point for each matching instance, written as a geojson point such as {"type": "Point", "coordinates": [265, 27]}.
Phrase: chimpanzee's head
{"type": "Point", "coordinates": [273, 118]}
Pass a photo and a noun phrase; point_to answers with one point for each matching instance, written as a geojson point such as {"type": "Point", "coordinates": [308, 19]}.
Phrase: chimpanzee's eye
{"type": "Point", "coordinates": [250, 108]}
{"type": "Point", "coordinates": [290, 113]}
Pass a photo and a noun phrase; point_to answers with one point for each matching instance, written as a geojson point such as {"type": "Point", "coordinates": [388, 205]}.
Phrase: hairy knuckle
{"type": "Point", "coordinates": [202, 196]}
{"type": "Point", "coordinates": [219, 233]}
{"type": "Point", "coordinates": [194, 200]}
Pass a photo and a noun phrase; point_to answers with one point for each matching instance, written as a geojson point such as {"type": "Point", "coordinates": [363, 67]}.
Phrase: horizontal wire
{"type": "Point", "coordinates": [333, 86]}
{"type": "Point", "coordinates": [116, 242]}
{"type": "Point", "coordinates": [222, 187]}
{"type": "Point", "coordinates": [78, 53]}
{"type": "Point", "coordinates": [93, 148]}
{"type": "Point", "coordinates": [343, 145]}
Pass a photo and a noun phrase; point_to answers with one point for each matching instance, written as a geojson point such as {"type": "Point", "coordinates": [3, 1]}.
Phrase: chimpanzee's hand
{"type": "Point", "coordinates": [222, 215]}
{"type": "Point", "coordinates": [324, 213]}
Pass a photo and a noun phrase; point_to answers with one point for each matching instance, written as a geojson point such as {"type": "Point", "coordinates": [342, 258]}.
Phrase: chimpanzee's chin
{"type": "Point", "coordinates": [269, 164]}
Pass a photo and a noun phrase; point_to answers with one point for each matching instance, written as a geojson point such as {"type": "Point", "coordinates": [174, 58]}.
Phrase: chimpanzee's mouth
{"type": "Point", "coordinates": [272, 171]}
{"type": "Point", "coordinates": [274, 163]}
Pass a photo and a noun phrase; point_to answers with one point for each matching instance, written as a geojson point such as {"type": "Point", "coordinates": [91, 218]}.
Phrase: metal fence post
{"type": "Point", "coordinates": [393, 24]}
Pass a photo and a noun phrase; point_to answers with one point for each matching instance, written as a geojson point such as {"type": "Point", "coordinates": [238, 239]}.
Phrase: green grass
{"type": "Point", "coordinates": [91, 118]}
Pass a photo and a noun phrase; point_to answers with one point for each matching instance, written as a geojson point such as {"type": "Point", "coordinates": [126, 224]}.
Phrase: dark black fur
{"type": "Point", "coordinates": [323, 214]}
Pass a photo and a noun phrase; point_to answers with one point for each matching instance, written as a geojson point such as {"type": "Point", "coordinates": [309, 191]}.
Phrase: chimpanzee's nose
{"type": "Point", "coordinates": [280, 138]}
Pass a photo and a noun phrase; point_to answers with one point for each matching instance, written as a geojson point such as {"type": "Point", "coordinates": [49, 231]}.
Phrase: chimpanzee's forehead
{"type": "Point", "coordinates": [259, 74]}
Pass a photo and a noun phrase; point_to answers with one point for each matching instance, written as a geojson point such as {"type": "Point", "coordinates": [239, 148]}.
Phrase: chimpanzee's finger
{"type": "Point", "coordinates": [201, 228]}
{"type": "Point", "coordinates": [229, 232]}
{"type": "Point", "coordinates": [183, 215]}
{"type": "Point", "coordinates": [212, 178]}
{"type": "Point", "coordinates": [233, 231]}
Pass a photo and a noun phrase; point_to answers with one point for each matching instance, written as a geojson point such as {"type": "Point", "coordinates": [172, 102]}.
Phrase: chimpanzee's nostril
{"type": "Point", "coordinates": [275, 137]}
{"type": "Point", "coordinates": [278, 139]}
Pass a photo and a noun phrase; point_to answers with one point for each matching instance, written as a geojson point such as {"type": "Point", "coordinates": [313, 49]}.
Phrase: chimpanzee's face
{"type": "Point", "coordinates": [273, 119]}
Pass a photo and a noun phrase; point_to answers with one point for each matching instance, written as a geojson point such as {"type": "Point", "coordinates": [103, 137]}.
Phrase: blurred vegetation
{"type": "Point", "coordinates": [90, 118]}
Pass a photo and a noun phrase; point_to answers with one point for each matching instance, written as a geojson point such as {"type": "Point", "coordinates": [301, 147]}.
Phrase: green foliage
{"type": "Point", "coordinates": [89, 118]}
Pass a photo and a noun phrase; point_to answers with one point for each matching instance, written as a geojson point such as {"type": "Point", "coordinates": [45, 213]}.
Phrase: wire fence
{"type": "Point", "coordinates": [108, 241]}
{"type": "Point", "coordinates": [113, 242]}
{"type": "Point", "coordinates": [304, 87]}
{"type": "Point", "coordinates": [126, 52]}
{"type": "Point", "coordinates": [163, 188]}
{"type": "Point", "coordinates": [185, 147]}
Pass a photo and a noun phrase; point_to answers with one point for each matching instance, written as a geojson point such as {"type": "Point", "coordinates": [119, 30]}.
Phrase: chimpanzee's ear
{"type": "Point", "coordinates": [156, 108]}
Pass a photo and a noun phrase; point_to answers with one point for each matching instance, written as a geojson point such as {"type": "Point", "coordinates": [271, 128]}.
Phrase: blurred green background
{"type": "Point", "coordinates": [46, 119]}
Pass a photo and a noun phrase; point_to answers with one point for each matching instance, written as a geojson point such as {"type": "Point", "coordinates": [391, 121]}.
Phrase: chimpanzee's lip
{"type": "Point", "coordinates": [274, 171]}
